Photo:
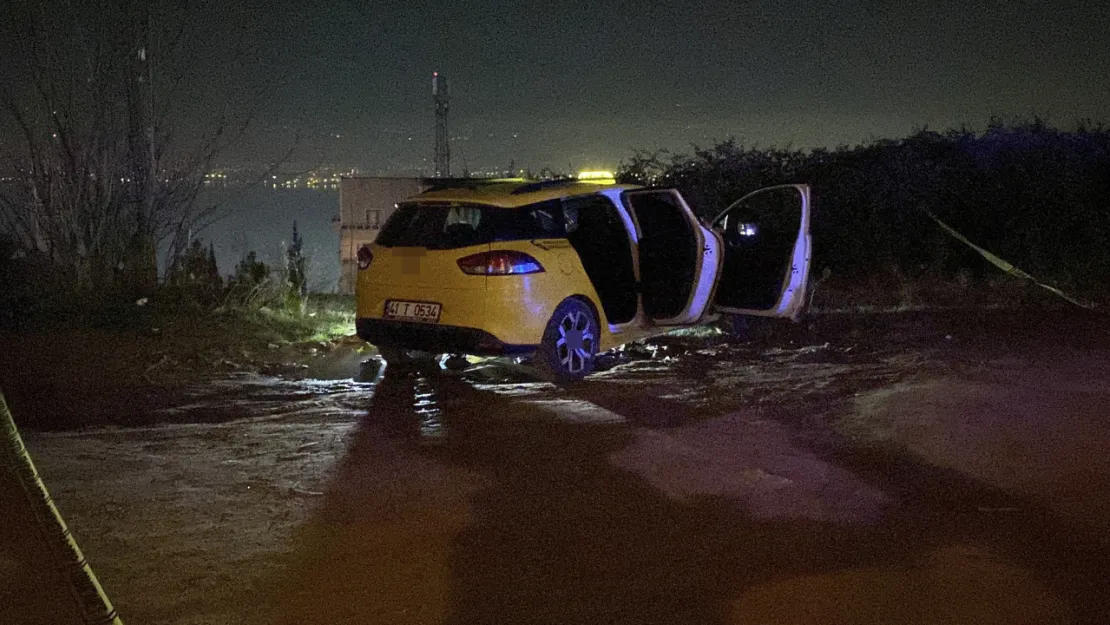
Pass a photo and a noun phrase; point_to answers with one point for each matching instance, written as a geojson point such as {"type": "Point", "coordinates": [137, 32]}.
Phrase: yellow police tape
{"type": "Point", "coordinates": [1007, 267]}
{"type": "Point", "coordinates": [103, 612]}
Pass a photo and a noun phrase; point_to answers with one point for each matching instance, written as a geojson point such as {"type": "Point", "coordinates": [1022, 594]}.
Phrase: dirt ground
{"type": "Point", "coordinates": [921, 468]}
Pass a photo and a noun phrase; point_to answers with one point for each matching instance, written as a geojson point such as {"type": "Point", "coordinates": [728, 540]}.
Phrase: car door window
{"type": "Point", "coordinates": [451, 226]}
{"type": "Point", "coordinates": [543, 220]}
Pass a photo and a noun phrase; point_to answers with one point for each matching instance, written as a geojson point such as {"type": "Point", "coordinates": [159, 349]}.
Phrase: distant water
{"type": "Point", "coordinates": [261, 220]}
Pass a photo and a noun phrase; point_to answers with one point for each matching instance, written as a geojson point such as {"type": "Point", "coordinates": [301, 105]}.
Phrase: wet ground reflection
{"type": "Point", "coordinates": [483, 498]}
{"type": "Point", "coordinates": [697, 479]}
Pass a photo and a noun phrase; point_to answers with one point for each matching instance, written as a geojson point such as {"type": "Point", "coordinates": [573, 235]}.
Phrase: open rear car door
{"type": "Point", "coordinates": [767, 250]}
{"type": "Point", "coordinates": [679, 260]}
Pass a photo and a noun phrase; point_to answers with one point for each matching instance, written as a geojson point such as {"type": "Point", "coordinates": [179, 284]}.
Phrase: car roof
{"type": "Point", "coordinates": [514, 192]}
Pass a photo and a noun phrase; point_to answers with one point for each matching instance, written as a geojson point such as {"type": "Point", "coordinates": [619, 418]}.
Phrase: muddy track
{"type": "Point", "coordinates": [888, 473]}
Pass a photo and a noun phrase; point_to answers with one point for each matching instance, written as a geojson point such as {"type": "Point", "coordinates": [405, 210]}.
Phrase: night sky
{"type": "Point", "coordinates": [582, 84]}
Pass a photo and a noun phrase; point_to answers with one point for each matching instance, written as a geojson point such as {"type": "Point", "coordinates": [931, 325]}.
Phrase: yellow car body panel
{"type": "Point", "coordinates": [515, 308]}
{"type": "Point", "coordinates": [418, 275]}
{"type": "Point", "coordinates": [512, 309]}
{"type": "Point", "coordinates": [519, 307]}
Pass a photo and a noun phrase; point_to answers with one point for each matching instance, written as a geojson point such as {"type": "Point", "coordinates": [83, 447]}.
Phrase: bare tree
{"type": "Point", "coordinates": [107, 168]}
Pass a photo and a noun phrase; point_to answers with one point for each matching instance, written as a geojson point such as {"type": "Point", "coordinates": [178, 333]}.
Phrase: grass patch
{"type": "Point", "coordinates": [158, 338]}
{"type": "Point", "coordinates": [324, 318]}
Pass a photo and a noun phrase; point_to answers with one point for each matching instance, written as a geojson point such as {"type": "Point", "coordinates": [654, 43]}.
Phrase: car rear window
{"type": "Point", "coordinates": [443, 226]}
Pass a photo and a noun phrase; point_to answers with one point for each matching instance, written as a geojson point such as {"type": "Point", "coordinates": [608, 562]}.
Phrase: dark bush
{"type": "Point", "coordinates": [194, 278]}
{"type": "Point", "coordinates": [251, 280]}
{"type": "Point", "coordinates": [1032, 194]}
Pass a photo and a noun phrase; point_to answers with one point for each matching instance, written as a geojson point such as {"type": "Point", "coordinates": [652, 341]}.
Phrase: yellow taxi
{"type": "Point", "coordinates": [560, 270]}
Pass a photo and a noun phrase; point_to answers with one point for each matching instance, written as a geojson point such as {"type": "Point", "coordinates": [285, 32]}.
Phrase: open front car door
{"type": "Point", "coordinates": [767, 250]}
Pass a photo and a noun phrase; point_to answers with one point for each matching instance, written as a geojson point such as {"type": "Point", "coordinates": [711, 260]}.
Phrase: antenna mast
{"type": "Point", "coordinates": [440, 96]}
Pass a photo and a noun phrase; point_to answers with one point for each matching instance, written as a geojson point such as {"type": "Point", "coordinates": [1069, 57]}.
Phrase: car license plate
{"type": "Point", "coordinates": [412, 311]}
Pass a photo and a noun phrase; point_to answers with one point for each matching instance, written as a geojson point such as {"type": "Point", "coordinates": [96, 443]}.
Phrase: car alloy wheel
{"type": "Point", "coordinates": [570, 341]}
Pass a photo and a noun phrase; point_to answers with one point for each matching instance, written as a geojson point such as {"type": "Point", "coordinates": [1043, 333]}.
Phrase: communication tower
{"type": "Point", "coordinates": [440, 94]}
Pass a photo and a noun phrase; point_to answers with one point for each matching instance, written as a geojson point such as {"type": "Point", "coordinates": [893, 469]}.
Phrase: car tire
{"type": "Point", "coordinates": [739, 327]}
{"type": "Point", "coordinates": [568, 350]}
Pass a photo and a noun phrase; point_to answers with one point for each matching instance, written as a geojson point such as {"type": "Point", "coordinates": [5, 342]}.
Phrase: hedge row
{"type": "Point", "coordinates": [1036, 195]}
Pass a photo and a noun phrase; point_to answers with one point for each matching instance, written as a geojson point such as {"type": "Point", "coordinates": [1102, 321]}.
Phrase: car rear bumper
{"type": "Point", "coordinates": [434, 338]}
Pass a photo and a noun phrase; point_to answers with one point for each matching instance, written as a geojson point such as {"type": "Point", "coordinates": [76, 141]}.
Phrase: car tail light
{"type": "Point", "coordinates": [365, 257]}
{"type": "Point", "coordinates": [499, 263]}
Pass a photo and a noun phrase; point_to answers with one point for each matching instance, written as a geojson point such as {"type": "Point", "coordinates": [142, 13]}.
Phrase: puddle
{"type": "Point", "coordinates": [260, 397]}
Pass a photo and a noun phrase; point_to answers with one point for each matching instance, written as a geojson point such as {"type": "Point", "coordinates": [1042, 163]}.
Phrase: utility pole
{"type": "Point", "coordinates": [440, 97]}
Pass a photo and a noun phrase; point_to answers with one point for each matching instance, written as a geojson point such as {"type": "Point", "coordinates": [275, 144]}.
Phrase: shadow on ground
{"type": "Point", "coordinates": [459, 505]}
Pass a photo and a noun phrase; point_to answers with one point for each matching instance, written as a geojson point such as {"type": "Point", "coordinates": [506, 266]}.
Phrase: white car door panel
{"type": "Point", "coordinates": [767, 249]}
{"type": "Point", "coordinates": [678, 259]}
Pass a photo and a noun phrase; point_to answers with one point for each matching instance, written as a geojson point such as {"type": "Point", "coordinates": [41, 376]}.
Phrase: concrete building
{"type": "Point", "coordinates": [364, 205]}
